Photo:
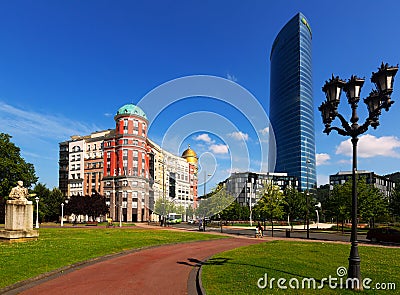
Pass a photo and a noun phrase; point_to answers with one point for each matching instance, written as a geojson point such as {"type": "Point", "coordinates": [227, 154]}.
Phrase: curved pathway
{"type": "Point", "coordinates": [160, 270]}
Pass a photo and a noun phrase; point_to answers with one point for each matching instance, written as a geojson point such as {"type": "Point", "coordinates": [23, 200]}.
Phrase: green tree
{"type": "Point", "coordinates": [76, 206]}
{"type": "Point", "coordinates": [232, 212]}
{"type": "Point", "coordinates": [54, 204]}
{"type": "Point", "coordinates": [13, 167]}
{"type": "Point", "coordinates": [338, 204]}
{"type": "Point", "coordinates": [49, 202]}
{"type": "Point", "coordinates": [372, 204]}
{"type": "Point", "coordinates": [322, 193]}
{"type": "Point", "coordinates": [295, 204]}
{"type": "Point", "coordinates": [218, 200]}
{"type": "Point", "coordinates": [2, 209]}
{"type": "Point", "coordinates": [394, 204]}
{"type": "Point", "coordinates": [43, 193]}
{"type": "Point", "coordinates": [95, 205]}
{"type": "Point", "coordinates": [189, 212]}
{"type": "Point", "coordinates": [271, 202]}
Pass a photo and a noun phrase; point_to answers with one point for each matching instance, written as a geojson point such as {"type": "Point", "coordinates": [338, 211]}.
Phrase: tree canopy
{"type": "Point", "coordinates": [13, 167]}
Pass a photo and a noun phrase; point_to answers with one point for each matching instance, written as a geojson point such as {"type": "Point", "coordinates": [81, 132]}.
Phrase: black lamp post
{"type": "Point", "coordinates": [376, 101]}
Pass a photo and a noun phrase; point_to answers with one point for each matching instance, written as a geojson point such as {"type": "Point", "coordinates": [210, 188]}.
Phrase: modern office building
{"type": "Point", "coordinates": [291, 108]}
{"type": "Point", "coordinates": [384, 184]}
{"type": "Point", "coordinates": [245, 186]}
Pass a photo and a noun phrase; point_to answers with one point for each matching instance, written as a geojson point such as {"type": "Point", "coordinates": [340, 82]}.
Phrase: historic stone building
{"type": "Point", "coordinates": [129, 169]}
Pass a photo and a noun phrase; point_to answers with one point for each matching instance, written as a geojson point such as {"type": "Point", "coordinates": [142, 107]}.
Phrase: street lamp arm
{"type": "Point", "coordinates": [339, 130]}
{"type": "Point", "coordinates": [345, 124]}
{"type": "Point", "coordinates": [364, 127]}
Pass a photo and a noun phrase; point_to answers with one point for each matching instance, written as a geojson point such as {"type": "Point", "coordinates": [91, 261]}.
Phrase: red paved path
{"type": "Point", "coordinates": [161, 270]}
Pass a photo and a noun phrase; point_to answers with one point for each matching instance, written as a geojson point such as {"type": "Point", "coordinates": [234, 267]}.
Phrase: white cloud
{"type": "Point", "coordinates": [322, 159]}
{"type": "Point", "coordinates": [29, 123]}
{"type": "Point", "coordinates": [204, 137]}
{"type": "Point", "coordinates": [265, 131]}
{"type": "Point", "coordinates": [231, 77]}
{"type": "Point", "coordinates": [370, 146]}
{"type": "Point", "coordinates": [219, 148]}
{"type": "Point", "coordinates": [239, 135]}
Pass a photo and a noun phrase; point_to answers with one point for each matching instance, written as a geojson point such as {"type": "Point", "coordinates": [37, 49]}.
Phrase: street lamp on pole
{"type": "Point", "coordinates": [316, 211]}
{"type": "Point", "coordinates": [37, 212]}
{"type": "Point", "coordinates": [62, 214]}
{"type": "Point", "coordinates": [204, 195]}
{"type": "Point", "coordinates": [376, 101]}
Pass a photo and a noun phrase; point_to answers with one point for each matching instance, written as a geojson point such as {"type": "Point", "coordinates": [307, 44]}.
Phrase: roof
{"type": "Point", "coordinates": [190, 155]}
{"type": "Point", "coordinates": [131, 109]}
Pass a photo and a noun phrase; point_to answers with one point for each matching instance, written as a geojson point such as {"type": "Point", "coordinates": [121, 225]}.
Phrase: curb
{"type": "Point", "coordinates": [195, 285]}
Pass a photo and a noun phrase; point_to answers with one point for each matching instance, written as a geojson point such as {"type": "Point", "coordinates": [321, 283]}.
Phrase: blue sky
{"type": "Point", "coordinates": [67, 66]}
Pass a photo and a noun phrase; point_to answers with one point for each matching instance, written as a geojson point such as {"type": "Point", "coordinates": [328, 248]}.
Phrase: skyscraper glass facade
{"type": "Point", "coordinates": [291, 102]}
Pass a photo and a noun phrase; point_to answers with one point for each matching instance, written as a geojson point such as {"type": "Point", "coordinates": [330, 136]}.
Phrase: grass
{"type": "Point", "coordinates": [238, 271]}
{"type": "Point", "coordinates": [58, 247]}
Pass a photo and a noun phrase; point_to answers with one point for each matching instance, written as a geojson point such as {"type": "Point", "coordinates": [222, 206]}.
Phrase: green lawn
{"type": "Point", "coordinates": [238, 271]}
{"type": "Point", "coordinates": [58, 247]}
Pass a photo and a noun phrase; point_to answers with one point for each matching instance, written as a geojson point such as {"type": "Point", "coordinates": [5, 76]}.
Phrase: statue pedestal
{"type": "Point", "coordinates": [19, 221]}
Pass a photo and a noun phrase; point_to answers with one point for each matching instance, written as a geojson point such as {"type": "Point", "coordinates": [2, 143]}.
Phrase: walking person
{"type": "Point", "coordinates": [260, 229]}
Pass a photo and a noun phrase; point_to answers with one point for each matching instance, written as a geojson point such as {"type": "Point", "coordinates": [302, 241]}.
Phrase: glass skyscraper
{"type": "Point", "coordinates": [291, 102]}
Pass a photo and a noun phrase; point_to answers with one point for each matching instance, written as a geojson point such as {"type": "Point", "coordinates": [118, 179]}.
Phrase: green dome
{"type": "Point", "coordinates": [131, 109]}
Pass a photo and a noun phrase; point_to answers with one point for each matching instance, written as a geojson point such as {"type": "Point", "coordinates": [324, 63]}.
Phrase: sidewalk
{"type": "Point", "coordinates": [297, 226]}
{"type": "Point", "coordinates": [159, 270]}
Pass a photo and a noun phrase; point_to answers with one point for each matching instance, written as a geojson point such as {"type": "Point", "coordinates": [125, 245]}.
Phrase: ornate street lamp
{"type": "Point", "coordinates": [376, 101]}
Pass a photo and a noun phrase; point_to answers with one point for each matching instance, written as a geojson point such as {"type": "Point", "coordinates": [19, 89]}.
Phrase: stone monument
{"type": "Point", "coordinates": [19, 216]}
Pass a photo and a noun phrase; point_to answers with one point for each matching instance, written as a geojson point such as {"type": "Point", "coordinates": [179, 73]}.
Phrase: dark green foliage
{"type": "Point", "coordinates": [96, 205]}
{"type": "Point", "coordinates": [93, 206]}
{"type": "Point", "coordinates": [49, 202]}
{"type": "Point", "coordinates": [2, 209]}
{"type": "Point", "coordinates": [13, 167]}
{"type": "Point", "coordinates": [394, 205]}
{"type": "Point", "coordinates": [372, 205]}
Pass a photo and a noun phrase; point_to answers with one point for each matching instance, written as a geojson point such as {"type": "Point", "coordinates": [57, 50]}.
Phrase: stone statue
{"type": "Point", "coordinates": [19, 216]}
{"type": "Point", "coordinates": [19, 192]}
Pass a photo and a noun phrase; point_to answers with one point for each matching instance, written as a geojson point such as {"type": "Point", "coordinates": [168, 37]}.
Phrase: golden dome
{"type": "Point", "coordinates": [190, 155]}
